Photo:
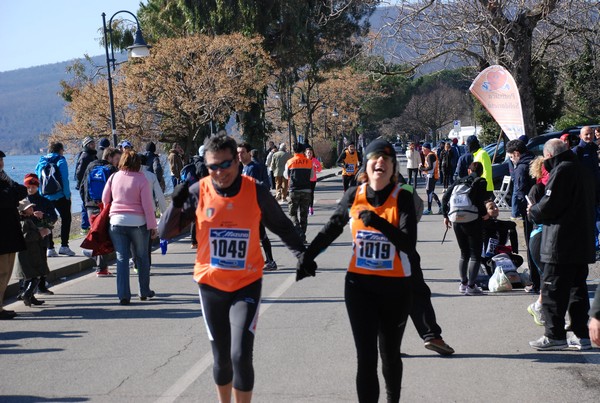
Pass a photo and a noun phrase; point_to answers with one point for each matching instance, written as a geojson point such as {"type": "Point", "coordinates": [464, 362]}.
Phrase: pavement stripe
{"type": "Point", "coordinates": [205, 362]}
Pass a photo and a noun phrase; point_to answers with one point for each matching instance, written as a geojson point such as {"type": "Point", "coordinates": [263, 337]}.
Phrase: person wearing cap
{"type": "Point", "coordinates": [32, 262]}
{"type": "Point", "coordinates": [277, 165]}
{"type": "Point", "coordinates": [61, 199]}
{"type": "Point", "coordinates": [87, 155]}
{"type": "Point", "coordinates": [11, 236]}
{"type": "Point", "coordinates": [479, 155]}
{"type": "Point", "coordinates": [378, 282]}
{"type": "Point", "coordinates": [154, 165]}
{"type": "Point", "coordinates": [103, 144]}
{"type": "Point", "coordinates": [349, 161]}
{"type": "Point", "coordinates": [431, 170]}
{"type": "Point", "coordinates": [48, 218]}
{"type": "Point", "coordinates": [125, 145]}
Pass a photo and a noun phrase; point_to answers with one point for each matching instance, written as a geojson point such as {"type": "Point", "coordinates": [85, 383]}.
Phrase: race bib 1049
{"type": "Point", "coordinates": [373, 251]}
{"type": "Point", "coordinates": [229, 248]}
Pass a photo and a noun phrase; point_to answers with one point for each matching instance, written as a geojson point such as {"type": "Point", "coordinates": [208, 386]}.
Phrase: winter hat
{"type": "Point", "coordinates": [454, 141]}
{"type": "Point", "coordinates": [151, 147]}
{"type": "Point", "coordinates": [473, 143]}
{"type": "Point", "coordinates": [426, 145]}
{"type": "Point", "coordinates": [31, 179]}
{"type": "Point", "coordinates": [104, 143]}
{"type": "Point", "coordinates": [380, 146]}
{"type": "Point", "coordinates": [201, 151]}
{"type": "Point", "coordinates": [564, 137]}
{"type": "Point", "coordinates": [126, 143]}
{"type": "Point", "coordinates": [87, 141]}
{"type": "Point", "coordinates": [25, 204]}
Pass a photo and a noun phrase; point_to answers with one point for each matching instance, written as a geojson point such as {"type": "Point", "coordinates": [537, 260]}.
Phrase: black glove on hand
{"type": "Point", "coordinates": [370, 219]}
{"type": "Point", "coordinates": [180, 194]}
{"type": "Point", "coordinates": [305, 268]}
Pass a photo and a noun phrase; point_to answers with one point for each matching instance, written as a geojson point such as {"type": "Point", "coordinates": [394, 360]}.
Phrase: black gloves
{"type": "Point", "coordinates": [180, 194]}
{"type": "Point", "coordinates": [305, 268]}
{"type": "Point", "coordinates": [370, 219]}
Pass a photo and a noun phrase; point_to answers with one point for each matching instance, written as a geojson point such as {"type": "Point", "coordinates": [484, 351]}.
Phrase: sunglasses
{"type": "Point", "coordinates": [222, 165]}
{"type": "Point", "coordinates": [375, 155]}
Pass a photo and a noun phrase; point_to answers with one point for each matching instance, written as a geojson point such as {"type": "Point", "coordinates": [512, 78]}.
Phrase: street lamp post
{"type": "Point", "coordinates": [138, 49]}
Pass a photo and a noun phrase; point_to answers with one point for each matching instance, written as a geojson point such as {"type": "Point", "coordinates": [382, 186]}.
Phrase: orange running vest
{"type": "Point", "coordinates": [227, 229]}
{"type": "Point", "coordinates": [372, 253]}
{"type": "Point", "coordinates": [351, 161]}
{"type": "Point", "coordinates": [436, 168]}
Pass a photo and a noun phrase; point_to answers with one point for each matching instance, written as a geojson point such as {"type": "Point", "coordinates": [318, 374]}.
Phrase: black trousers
{"type": "Point", "coordinates": [378, 309]}
{"type": "Point", "coordinates": [412, 176]}
{"type": "Point", "coordinates": [422, 313]}
{"type": "Point", "coordinates": [564, 289]}
{"type": "Point", "coordinates": [63, 206]}
{"type": "Point", "coordinates": [348, 180]}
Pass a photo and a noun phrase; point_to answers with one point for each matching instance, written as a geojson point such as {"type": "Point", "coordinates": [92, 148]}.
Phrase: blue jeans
{"type": "Point", "coordinates": [124, 240]}
{"type": "Point", "coordinates": [85, 219]}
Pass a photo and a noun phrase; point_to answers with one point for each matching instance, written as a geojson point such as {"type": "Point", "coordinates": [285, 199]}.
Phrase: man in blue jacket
{"type": "Point", "coordinates": [60, 199]}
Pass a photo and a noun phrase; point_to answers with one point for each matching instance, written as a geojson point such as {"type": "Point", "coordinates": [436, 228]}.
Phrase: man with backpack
{"type": "Point", "coordinates": [82, 161]}
{"type": "Point", "coordinates": [94, 180]}
{"type": "Point", "coordinates": [53, 171]}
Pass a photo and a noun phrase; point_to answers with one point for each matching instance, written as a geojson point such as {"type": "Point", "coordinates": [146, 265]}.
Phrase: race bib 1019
{"type": "Point", "coordinates": [373, 251]}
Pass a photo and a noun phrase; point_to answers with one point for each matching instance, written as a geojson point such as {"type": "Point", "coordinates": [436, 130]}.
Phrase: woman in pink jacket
{"type": "Point", "coordinates": [131, 217]}
{"type": "Point", "coordinates": [310, 154]}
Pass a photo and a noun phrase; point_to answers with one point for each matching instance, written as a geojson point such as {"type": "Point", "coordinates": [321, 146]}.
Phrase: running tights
{"type": "Point", "coordinates": [378, 309]}
{"type": "Point", "coordinates": [230, 319]}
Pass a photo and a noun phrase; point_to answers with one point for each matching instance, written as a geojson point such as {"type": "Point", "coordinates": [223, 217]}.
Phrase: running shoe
{"type": "Point", "coordinates": [462, 288]}
{"type": "Point", "coordinates": [103, 273]}
{"type": "Point", "coordinates": [151, 295]}
{"type": "Point", "coordinates": [575, 343]}
{"type": "Point", "coordinates": [270, 266]}
{"type": "Point", "coordinates": [51, 253]}
{"type": "Point", "coordinates": [65, 250]}
{"type": "Point", "coordinates": [537, 314]}
{"type": "Point", "coordinates": [426, 212]}
{"type": "Point", "coordinates": [475, 290]}
{"type": "Point", "coordinates": [439, 346]}
{"type": "Point", "coordinates": [547, 344]}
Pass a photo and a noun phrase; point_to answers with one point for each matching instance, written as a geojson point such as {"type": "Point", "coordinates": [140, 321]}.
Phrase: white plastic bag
{"type": "Point", "coordinates": [499, 282]}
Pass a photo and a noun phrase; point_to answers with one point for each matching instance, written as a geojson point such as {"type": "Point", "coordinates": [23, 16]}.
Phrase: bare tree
{"type": "Point", "coordinates": [431, 110]}
{"type": "Point", "coordinates": [513, 33]}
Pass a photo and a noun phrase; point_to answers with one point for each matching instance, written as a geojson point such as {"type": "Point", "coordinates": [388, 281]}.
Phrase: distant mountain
{"type": "Point", "coordinates": [30, 105]}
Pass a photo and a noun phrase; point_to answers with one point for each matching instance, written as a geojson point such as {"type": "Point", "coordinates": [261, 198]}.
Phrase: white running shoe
{"type": "Point", "coordinates": [575, 343]}
{"type": "Point", "coordinates": [462, 288]}
{"type": "Point", "coordinates": [51, 253]}
{"type": "Point", "coordinates": [65, 250]}
{"type": "Point", "coordinates": [475, 290]}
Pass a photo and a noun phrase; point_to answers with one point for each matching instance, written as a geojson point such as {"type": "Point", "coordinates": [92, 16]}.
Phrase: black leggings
{"type": "Point", "coordinates": [230, 319]}
{"type": "Point", "coordinates": [266, 243]}
{"type": "Point", "coordinates": [378, 309]}
{"type": "Point", "coordinates": [348, 180]}
{"type": "Point", "coordinates": [469, 237]}
{"type": "Point", "coordinates": [63, 206]}
{"type": "Point", "coordinates": [313, 184]}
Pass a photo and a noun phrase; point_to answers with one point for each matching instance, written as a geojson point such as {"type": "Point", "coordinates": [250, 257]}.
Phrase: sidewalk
{"type": "Point", "coordinates": [64, 266]}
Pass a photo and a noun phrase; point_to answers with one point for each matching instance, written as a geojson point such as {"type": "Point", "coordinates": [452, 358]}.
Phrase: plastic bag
{"type": "Point", "coordinates": [499, 282]}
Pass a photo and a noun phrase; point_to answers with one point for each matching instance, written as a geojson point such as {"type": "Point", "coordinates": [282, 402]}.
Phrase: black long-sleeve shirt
{"type": "Point", "coordinates": [175, 220]}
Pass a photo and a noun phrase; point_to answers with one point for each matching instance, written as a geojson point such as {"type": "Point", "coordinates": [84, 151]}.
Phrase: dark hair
{"type": "Point", "coordinates": [110, 152]}
{"type": "Point", "coordinates": [55, 148]}
{"type": "Point", "coordinates": [311, 149]}
{"type": "Point", "coordinates": [221, 143]}
{"type": "Point", "coordinates": [245, 145]}
{"type": "Point", "coordinates": [254, 153]}
{"type": "Point", "coordinates": [298, 148]}
{"type": "Point", "coordinates": [130, 161]}
{"type": "Point", "coordinates": [476, 167]}
{"type": "Point", "coordinates": [516, 145]}
{"type": "Point", "coordinates": [143, 158]}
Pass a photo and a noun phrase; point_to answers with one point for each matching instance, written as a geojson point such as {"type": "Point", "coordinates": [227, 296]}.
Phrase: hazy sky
{"type": "Point", "coordinates": [36, 32]}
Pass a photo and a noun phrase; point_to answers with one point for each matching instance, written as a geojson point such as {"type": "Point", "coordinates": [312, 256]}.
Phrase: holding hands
{"type": "Point", "coordinates": [305, 268]}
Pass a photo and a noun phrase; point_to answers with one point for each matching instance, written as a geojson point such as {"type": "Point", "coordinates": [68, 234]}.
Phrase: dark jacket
{"type": "Point", "coordinates": [88, 155]}
{"type": "Point", "coordinates": [32, 262]}
{"type": "Point", "coordinates": [587, 153]}
{"type": "Point", "coordinates": [462, 168]}
{"type": "Point", "coordinates": [522, 181]}
{"type": "Point", "coordinates": [11, 236]}
{"type": "Point", "coordinates": [567, 212]}
{"type": "Point", "coordinates": [154, 166]}
{"type": "Point", "coordinates": [258, 171]}
{"type": "Point", "coordinates": [45, 206]}
{"type": "Point", "coordinates": [478, 194]}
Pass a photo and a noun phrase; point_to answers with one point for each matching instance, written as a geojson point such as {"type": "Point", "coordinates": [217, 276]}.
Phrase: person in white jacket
{"type": "Point", "coordinates": [413, 161]}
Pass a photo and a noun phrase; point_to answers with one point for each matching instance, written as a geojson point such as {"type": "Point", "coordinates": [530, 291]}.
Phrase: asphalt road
{"type": "Point", "coordinates": [82, 346]}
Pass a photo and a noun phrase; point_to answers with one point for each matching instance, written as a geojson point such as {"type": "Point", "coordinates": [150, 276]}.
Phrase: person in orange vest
{"type": "Point", "coordinates": [349, 161]}
{"type": "Point", "coordinates": [378, 284]}
{"type": "Point", "coordinates": [299, 170]}
{"type": "Point", "coordinates": [228, 209]}
{"type": "Point", "coordinates": [431, 170]}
